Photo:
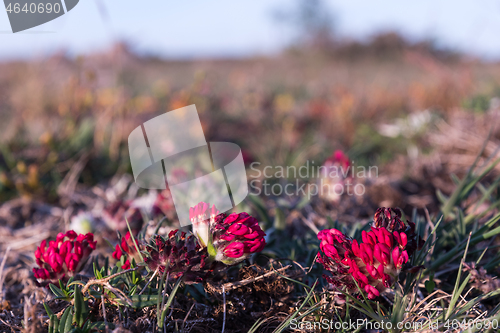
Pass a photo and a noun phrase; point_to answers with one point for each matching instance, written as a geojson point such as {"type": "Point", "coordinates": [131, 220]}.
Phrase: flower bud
{"type": "Point", "coordinates": [72, 261]}
{"type": "Point", "coordinates": [179, 256]}
{"type": "Point", "coordinates": [202, 217]}
{"type": "Point", "coordinates": [126, 264]}
{"type": "Point", "coordinates": [234, 250]}
{"type": "Point", "coordinates": [126, 247]}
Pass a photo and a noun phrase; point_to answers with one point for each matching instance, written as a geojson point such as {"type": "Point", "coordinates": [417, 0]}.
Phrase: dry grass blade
{"type": "Point", "coordinates": [103, 310]}
{"type": "Point", "coordinates": [187, 316]}
{"type": "Point", "coordinates": [20, 244]}
{"type": "Point", "coordinates": [224, 308]}
{"type": "Point", "coordinates": [12, 327]}
{"type": "Point", "coordinates": [68, 185]}
{"type": "Point", "coordinates": [105, 283]}
{"type": "Point", "coordinates": [149, 282]}
{"type": "Point", "coordinates": [4, 260]}
{"type": "Point", "coordinates": [233, 285]}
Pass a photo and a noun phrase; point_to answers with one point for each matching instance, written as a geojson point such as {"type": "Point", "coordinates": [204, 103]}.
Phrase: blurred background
{"type": "Point", "coordinates": [169, 29]}
{"type": "Point", "coordinates": [412, 88]}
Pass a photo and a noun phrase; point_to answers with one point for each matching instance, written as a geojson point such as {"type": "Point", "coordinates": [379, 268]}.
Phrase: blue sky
{"type": "Point", "coordinates": [195, 28]}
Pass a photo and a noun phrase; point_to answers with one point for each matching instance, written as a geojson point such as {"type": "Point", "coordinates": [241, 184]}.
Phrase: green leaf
{"type": "Point", "coordinates": [95, 294]}
{"type": "Point", "coordinates": [53, 324]}
{"type": "Point", "coordinates": [441, 197]}
{"type": "Point", "coordinates": [109, 244]}
{"type": "Point", "coordinates": [140, 301]}
{"type": "Point", "coordinates": [63, 289]}
{"type": "Point", "coordinates": [58, 292]}
{"type": "Point", "coordinates": [97, 272]}
{"type": "Point", "coordinates": [455, 179]}
{"type": "Point", "coordinates": [69, 282]}
{"type": "Point", "coordinates": [81, 310]}
{"type": "Point", "coordinates": [101, 326]}
{"type": "Point", "coordinates": [47, 309]}
{"type": "Point", "coordinates": [136, 244]}
{"type": "Point", "coordinates": [66, 321]}
{"type": "Point", "coordinates": [430, 285]}
{"type": "Point", "coordinates": [104, 270]}
{"type": "Point", "coordinates": [158, 226]}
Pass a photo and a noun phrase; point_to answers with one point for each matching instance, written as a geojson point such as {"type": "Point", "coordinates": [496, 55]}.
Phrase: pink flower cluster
{"type": "Point", "coordinates": [63, 257]}
{"type": "Point", "coordinates": [376, 262]}
{"type": "Point", "coordinates": [125, 247]}
{"type": "Point", "coordinates": [229, 239]}
{"type": "Point", "coordinates": [336, 173]}
{"type": "Point", "coordinates": [236, 237]}
{"type": "Point", "coordinates": [338, 158]}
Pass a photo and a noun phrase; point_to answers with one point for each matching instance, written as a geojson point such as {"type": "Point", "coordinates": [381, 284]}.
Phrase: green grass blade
{"type": "Point", "coordinates": [457, 291]}
{"type": "Point", "coordinates": [286, 323]}
{"type": "Point", "coordinates": [169, 302]}
{"type": "Point", "coordinates": [133, 239]}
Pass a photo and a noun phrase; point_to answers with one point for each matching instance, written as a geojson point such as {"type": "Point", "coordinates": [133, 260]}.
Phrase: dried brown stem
{"type": "Point", "coordinates": [234, 285]}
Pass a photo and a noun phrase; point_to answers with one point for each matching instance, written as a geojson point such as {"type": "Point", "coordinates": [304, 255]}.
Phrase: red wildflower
{"type": "Point", "coordinates": [63, 257]}
{"type": "Point", "coordinates": [338, 158]}
{"type": "Point", "coordinates": [126, 248]}
{"type": "Point", "coordinates": [390, 219]}
{"type": "Point", "coordinates": [236, 237]}
{"type": "Point", "coordinates": [375, 263]}
{"type": "Point", "coordinates": [335, 172]}
{"type": "Point", "coordinates": [126, 264]}
{"type": "Point", "coordinates": [126, 245]}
